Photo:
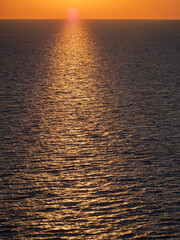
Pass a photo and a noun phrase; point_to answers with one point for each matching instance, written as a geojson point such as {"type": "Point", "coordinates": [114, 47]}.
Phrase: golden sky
{"type": "Point", "coordinates": [93, 9]}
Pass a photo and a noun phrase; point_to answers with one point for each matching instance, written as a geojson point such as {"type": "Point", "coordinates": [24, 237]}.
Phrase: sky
{"type": "Point", "coordinates": [90, 9]}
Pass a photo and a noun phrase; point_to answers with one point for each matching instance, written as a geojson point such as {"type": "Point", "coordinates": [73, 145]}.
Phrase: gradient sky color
{"type": "Point", "coordinates": [90, 9]}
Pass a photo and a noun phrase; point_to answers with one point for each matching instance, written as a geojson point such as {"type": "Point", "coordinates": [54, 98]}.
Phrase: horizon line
{"type": "Point", "coordinates": [91, 19]}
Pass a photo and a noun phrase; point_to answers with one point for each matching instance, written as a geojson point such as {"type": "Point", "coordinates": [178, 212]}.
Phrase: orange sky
{"type": "Point", "coordinates": [95, 9]}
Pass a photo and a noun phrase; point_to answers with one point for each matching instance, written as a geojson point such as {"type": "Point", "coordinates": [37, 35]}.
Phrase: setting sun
{"type": "Point", "coordinates": [73, 14]}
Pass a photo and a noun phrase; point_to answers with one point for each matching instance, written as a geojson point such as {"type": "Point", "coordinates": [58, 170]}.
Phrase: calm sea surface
{"type": "Point", "coordinates": [90, 137]}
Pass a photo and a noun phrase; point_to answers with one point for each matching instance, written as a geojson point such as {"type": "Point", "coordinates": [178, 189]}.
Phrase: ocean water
{"type": "Point", "coordinates": [90, 139]}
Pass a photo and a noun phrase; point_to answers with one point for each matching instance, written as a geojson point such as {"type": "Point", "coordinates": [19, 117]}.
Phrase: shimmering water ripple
{"type": "Point", "coordinates": [89, 130]}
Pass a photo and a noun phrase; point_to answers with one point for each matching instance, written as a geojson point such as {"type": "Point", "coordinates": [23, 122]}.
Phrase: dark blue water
{"type": "Point", "coordinates": [90, 140]}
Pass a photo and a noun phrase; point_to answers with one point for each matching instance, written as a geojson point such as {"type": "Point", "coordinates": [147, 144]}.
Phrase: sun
{"type": "Point", "coordinates": [73, 14]}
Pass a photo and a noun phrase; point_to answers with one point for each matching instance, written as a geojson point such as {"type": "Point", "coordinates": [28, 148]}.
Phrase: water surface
{"type": "Point", "coordinates": [89, 129]}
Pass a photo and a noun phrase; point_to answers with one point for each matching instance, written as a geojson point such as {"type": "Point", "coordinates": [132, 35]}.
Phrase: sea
{"type": "Point", "coordinates": [90, 129]}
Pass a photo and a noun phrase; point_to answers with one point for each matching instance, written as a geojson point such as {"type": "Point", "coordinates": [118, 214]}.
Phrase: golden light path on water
{"type": "Point", "coordinates": [77, 164]}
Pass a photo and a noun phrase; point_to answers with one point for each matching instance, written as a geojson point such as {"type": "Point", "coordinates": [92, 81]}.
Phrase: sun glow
{"type": "Point", "coordinates": [73, 14]}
